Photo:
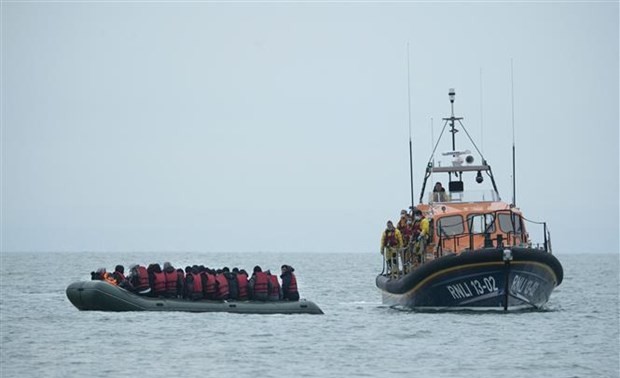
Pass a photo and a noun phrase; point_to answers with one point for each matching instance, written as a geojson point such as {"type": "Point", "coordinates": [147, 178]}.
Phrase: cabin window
{"type": "Point", "coordinates": [450, 226]}
{"type": "Point", "coordinates": [481, 223]}
{"type": "Point", "coordinates": [506, 222]}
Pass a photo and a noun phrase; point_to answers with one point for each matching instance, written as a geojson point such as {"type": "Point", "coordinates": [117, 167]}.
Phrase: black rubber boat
{"type": "Point", "coordinates": [102, 296]}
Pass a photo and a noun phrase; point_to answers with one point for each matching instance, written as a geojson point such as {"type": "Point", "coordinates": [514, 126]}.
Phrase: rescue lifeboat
{"type": "Point", "coordinates": [478, 254]}
{"type": "Point", "coordinates": [102, 296]}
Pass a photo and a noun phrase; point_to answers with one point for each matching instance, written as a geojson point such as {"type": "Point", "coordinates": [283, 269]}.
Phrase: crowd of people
{"type": "Point", "coordinates": [406, 241]}
{"type": "Point", "coordinates": [199, 282]}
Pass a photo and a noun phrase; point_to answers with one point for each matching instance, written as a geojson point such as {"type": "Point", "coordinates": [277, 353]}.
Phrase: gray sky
{"type": "Point", "coordinates": [284, 126]}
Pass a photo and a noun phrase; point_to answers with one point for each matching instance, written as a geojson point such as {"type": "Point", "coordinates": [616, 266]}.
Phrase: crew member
{"type": "Point", "coordinates": [439, 193]}
{"type": "Point", "coordinates": [391, 241]}
{"type": "Point", "coordinates": [422, 236]}
{"type": "Point", "coordinates": [405, 227]}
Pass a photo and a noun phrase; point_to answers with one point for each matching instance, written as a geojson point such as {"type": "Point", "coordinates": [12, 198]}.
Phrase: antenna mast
{"type": "Point", "coordinates": [410, 144]}
{"type": "Point", "coordinates": [481, 117]}
{"type": "Point", "coordinates": [514, 179]}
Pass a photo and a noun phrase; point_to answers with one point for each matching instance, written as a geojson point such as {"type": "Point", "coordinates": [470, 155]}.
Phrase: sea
{"type": "Point", "coordinates": [44, 335]}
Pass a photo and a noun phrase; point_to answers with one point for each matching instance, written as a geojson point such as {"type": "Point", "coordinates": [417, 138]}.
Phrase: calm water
{"type": "Point", "coordinates": [43, 335]}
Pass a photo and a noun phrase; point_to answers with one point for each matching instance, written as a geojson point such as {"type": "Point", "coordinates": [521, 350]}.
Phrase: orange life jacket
{"type": "Point", "coordinates": [109, 278]}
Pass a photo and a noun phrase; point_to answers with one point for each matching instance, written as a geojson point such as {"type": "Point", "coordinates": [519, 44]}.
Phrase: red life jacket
{"type": "Point", "coordinates": [222, 287]}
{"type": "Point", "coordinates": [159, 282]}
{"type": "Point", "coordinates": [292, 288]}
{"type": "Point", "coordinates": [197, 283]}
{"type": "Point", "coordinates": [260, 283]}
{"type": "Point", "coordinates": [143, 279]}
{"type": "Point", "coordinates": [181, 279]}
{"type": "Point", "coordinates": [415, 230]}
{"type": "Point", "coordinates": [390, 238]}
{"type": "Point", "coordinates": [118, 277]}
{"type": "Point", "coordinates": [275, 287]}
{"type": "Point", "coordinates": [210, 286]}
{"type": "Point", "coordinates": [242, 282]}
{"type": "Point", "coordinates": [171, 282]}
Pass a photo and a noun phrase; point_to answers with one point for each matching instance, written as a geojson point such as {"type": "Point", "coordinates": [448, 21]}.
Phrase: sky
{"type": "Point", "coordinates": [284, 126]}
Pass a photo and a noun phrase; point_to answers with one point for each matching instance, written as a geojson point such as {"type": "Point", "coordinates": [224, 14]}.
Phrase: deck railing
{"type": "Point", "coordinates": [415, 253]}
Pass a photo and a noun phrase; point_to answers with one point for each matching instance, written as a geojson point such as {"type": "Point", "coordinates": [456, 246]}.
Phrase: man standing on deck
{"type": "Point", "coordinates": [391, 241]}
{"type": "Point", "coordinates": [421, 233]}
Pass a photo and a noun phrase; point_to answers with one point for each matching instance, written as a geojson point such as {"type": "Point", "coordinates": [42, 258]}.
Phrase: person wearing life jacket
{"type": "Point", "coordinates": [423, 235]}
{"type": "Point", "coordinates": [180, 283]}
{"type": "Point", "coordinates": [222, 291]}
{"type": "Point", "coordinates": [139, 278]}
{"type": "Point", "coordinates": [274, 290]}
{"type": "Point", "coordinates": [421, 228]}
{"type": "Point", "coordinates": [157, 280]}
{"type": "Point", "coordinates": [193, 284]}
{"type": "Point", "coordinates": [289, 284]}
{"type": "Point", "coordinates": [120, 279]}
{"type": "Point", "coordinates": [171, 279]}
{"type": "Point", "coordinates": [391, 241]}
{"type": "Point", "coordinates": [259, 285]}
{"type": "Point", "coordinates": [242, 283]}
{"type": "Point", "coordinates": [233, 286]}
{"type": "Point", "coordinates": [109, 278]}
{"type": "Point", "coordinates": [209, 284]}
{"type": "Point", "coordinates": [98, 275]}
{"type": "Point", "coordinates": [405, 227]}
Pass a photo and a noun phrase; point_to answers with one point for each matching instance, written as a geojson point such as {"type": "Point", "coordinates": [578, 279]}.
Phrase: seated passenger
{"type": "Point", "coordinates": [259, 285]}
{"type": "Point", "coordinates": [209, 284]}
{"type": "Point", "coordinates": [119, 278]}
{"type": "Point", "coordinates": [289, 284]}
{"type": "Point", "coordinates": [172, 280]}
{"type": "Point", "coordinates": [139, 279]}
{"type": "Point", "coordinates": [193, 284]}
{"type": "Point", "coordinates": [180, 283]}
{"type": "Point", "coordinates": [99, 275]}
{"type": "Point", "coordinates": [274, 290]}
{"type": "Point", "coordinates": [242, 283]}
{"type": "Point", "coordinates": [222, 291]}
{"type": "Point", "coordinates": [157, 280]}
{"type": "Point", "coordinates": [233, 286]}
